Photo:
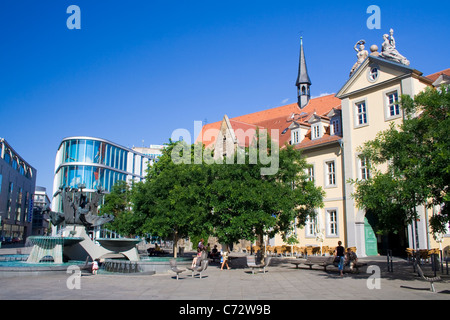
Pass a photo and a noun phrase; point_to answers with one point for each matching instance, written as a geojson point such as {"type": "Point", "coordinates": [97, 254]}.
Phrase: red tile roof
{"type": "Point", "coordinates": [278, 118]}
{"type": "Point", "coordinates": [325, 139]}
{"type": "Point", "coordinates": [436, 75]}
{"type": "Point", "coordinates": [244, 132]}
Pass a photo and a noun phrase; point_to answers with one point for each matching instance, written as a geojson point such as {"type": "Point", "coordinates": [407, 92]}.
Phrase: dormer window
{"type": "Point", "coordinates": [335, 127]}
{"type": "Point", "coordinates": [295, 137]}
{"type": "Point", "coordinates": [319, 125]}
{"type": "Point", "coordinates": [315, 131]}
{"type": "Point", "coordinates": [335, 121]}
{"type": "Point", "coordinates": [298, 132]}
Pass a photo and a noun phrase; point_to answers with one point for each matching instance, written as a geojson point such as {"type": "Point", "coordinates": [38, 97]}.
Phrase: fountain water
{"type": "Point", "coordinates": [50, 247]}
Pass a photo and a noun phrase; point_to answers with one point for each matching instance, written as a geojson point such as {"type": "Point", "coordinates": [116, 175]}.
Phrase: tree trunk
{"type": "Point", "coordinates": [262, 246]}
{"type": "Point", "coordinates": [175, 244]}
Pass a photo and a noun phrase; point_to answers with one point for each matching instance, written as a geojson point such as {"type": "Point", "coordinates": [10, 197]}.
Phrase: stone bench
{"type": "Point", "coordinates": [320, 261]}
{"type": "Point", "coordinates": [297, 262]}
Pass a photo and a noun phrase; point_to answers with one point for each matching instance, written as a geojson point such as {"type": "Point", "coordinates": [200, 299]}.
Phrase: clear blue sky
{"type": "Point", "coordinates": [137, 70]}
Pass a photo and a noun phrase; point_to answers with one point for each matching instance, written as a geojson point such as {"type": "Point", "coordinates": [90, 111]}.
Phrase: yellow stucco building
{"type": "Point", "coordinates": [329, 130]}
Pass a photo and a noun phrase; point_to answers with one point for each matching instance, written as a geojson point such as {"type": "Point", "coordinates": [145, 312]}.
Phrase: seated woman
{"type": "Point", "coordinates": [350, 258]}
{"type": "Point", "coordinates": [199, 254]}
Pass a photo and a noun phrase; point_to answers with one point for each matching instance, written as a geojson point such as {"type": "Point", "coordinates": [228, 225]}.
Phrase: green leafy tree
{"type": "Point", "coordinates": [416, 154]}
{"type": "Point", "coordinates": [248, 204]}
{"type": "Point", "coordinates": [171, 202]}
{"type": "Point", "coordinates": [118, 203]}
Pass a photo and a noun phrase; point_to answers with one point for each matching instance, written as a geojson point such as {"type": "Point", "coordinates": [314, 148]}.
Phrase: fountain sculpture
{"type": "Point", "coordinates": [74, 242]}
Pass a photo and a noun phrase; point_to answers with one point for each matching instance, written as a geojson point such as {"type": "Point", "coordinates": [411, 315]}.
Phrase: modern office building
{"type": "Point", "coordinates": [95, 163]}
{"type": "Point", "coordinates": [154, 151]}
{"type": "Point", "coordinates": [17, 185]}
{"type": "Point", "coordinates": [40, 219]}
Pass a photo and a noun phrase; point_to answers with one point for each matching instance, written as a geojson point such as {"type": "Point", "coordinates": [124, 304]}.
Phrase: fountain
{"type": "Point", "coordinates": [73, 244]}
{"type": "Point", "coordinates": [50, 247]}
{"type": "Point", "coordinates": [80, 214]}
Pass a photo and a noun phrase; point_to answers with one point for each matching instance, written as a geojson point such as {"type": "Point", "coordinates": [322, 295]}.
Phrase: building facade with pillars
{"type": "Point", "coordinates": [329, 130]}
{"type": "Point", "coordinates": [17, 187]}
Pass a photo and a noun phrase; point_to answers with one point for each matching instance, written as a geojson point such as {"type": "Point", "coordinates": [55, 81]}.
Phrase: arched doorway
{"type": "Point", "coordinates": [380, 243]}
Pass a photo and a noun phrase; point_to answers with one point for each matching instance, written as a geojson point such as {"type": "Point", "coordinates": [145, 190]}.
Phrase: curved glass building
{"type": "Point", "coordinates": [95, 162]}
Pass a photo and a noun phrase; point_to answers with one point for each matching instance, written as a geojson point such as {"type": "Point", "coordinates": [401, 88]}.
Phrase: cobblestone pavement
{"type": "Point", "coordinates": [282, 281]}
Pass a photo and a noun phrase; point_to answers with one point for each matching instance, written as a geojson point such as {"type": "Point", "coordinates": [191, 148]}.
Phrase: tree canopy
{"type": "Point", "coordinates": [172, 201]}
{"type": "Point", "coordinates": [240, 199]}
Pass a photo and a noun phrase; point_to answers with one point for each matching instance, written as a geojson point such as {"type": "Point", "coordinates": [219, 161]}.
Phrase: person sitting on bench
{"type": "Point", "coordinates": [350, 258]}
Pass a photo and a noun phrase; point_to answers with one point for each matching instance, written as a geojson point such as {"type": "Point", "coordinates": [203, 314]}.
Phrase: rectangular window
{"type": "Point", "coordinates": [335, 127]}
{"type": "Point", "coordinates": [361, 113]}
{"type": "Point", "coordinates": [311, 174]}
{"type": "Point", "coordinates": [316, 131]}
{"type": "Point", "coordinates": [9, 203]}
{"type": "Point", "coordinates": [393, 106]}
{"type": "Point", "coordinates": [295, 137]}
{"type": "Point", "coordinates": [332, 222]}
{"type": "Point", "coordinates": [27, 204]}
{"type": "Point", "coordinates": [19, 205]}
{"type": "Point", "coordinates": [331, 173]}
{"type": "Point", "coordinates": [310, 227]}
{"type": "Point", "coordinates": [363, 169]}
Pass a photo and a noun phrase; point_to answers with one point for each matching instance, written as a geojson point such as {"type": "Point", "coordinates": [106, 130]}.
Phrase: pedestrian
{"type": "Point", "coordinates": [200, 245]}
{"type": "Point", "coordinates": [224, 259]}
{"type": "Point", "coordinates": [339, 254]}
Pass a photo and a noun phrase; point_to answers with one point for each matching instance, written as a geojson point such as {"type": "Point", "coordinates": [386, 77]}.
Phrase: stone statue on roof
{"type": "Point", "coordinates": [388, 50]}
{"type": "Point", "coordinates": [361, 54]}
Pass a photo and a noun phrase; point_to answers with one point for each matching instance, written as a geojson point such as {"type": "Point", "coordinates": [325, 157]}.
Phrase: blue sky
{"type": "Point", "coordinates": [137, 70]}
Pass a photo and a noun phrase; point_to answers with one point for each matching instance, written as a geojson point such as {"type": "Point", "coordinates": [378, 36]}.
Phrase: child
{"type": "Point", "coordinates": [94, 267]}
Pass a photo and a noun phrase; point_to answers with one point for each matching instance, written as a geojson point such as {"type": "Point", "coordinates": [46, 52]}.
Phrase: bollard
{"type": "Point", "coordinates": [434, 263]}
{"type": "Point", "coordinates": [390, 262]}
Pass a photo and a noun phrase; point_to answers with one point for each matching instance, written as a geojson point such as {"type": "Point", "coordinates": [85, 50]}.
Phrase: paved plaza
{"type": "Point", "coordinates": [282, 281]}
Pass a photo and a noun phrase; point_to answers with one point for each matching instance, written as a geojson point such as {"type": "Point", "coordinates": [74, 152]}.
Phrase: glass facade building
{"type": "Point", "coordinates": [95, 163]}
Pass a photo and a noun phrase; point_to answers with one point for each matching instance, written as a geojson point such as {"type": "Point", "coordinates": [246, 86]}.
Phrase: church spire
{"type": "Point", "coordinates": [303, 82]}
